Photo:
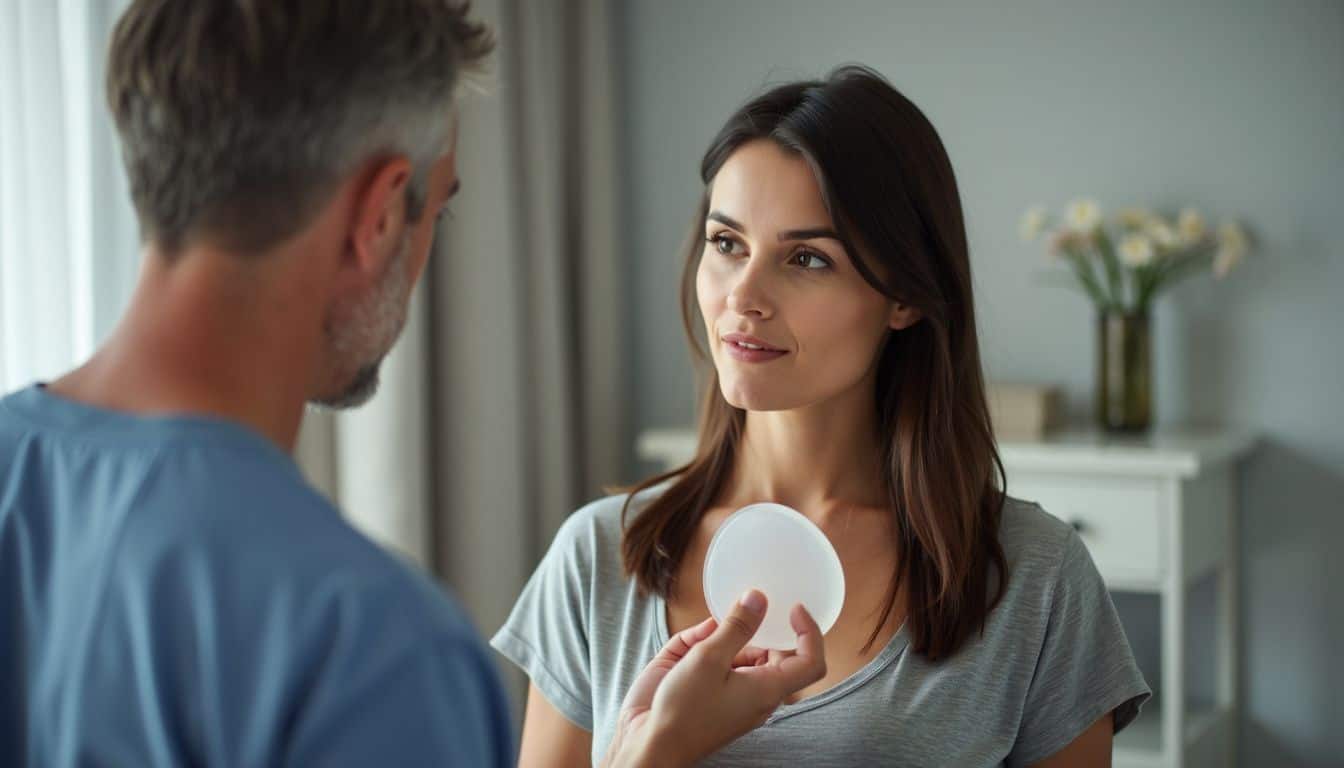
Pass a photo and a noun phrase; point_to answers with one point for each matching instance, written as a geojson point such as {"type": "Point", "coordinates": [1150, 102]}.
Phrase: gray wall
{"type": "Point", "coordinates": [1237, 108]}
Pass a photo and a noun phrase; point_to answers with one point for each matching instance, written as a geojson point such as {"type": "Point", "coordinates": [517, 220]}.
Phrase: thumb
{"type": "Point", "coordinates": [737, 628]}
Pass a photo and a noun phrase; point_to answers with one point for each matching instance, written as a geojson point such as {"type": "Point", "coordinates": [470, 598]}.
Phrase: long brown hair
{"type": "Point", "coordinates": [888, 184]}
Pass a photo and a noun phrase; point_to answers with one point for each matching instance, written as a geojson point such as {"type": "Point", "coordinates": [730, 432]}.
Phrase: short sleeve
{"type": "Point", "coordinates": [402, 693]}
{"type": "Point", "coordinates": [546, 634]}
{"type": "Point", "coordinates": [1085, 668]}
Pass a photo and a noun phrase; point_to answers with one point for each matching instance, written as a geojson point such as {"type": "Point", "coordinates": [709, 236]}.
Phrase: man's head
{"type": "Point", "coordinates": [247, 125]}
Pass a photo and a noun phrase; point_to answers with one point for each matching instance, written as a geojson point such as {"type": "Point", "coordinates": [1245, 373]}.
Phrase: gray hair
{"type": "Point", "coordinates": [238, 117]}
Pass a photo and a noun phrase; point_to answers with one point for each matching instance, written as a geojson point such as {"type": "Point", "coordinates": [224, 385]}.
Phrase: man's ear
{"type": "Point", "coordinates": [379, 214]}
{"type": "Point", "coordinates": [903, 316]}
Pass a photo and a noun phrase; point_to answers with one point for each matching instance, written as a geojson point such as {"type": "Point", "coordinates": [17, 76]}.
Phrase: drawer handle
{"type": "Point", "coordinates": [1079, 526]}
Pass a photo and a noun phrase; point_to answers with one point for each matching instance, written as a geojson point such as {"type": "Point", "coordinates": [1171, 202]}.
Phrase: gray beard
{"type": "Point", "coordinates": [359, 391]}
{"type": "Point", "coordinates": [385, 316]}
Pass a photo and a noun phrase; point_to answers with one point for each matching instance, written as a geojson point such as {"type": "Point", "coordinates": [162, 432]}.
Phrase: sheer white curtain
{"type": "Point", "coordinates": [68, 245]}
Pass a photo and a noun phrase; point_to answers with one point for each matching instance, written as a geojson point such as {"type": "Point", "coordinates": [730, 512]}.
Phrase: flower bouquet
{"type": "Point", "coordinates": [1122, 265]}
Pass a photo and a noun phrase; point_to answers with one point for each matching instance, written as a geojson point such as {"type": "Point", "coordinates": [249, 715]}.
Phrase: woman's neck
{"type": "Point", "coordinates": [813, 458]}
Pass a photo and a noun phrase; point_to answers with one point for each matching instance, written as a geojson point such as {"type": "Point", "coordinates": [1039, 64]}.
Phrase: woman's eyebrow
{"type": "Point", "coordinates": [810, 233]}
{"type": "Point", "coordinates": [725, 219]}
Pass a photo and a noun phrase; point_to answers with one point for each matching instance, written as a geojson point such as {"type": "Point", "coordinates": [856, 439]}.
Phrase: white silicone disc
{"type": "Point", "coordinates": [777, 550]}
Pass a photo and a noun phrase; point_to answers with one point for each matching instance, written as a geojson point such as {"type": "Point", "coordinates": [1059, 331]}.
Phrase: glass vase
{"type": "Point", "coordinates": [1124, 371]}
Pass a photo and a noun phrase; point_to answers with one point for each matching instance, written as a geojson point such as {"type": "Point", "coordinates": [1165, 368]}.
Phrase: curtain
{"type": "Point", "coordinates": [69, 251]}
{"type": "Point", "coordinates": [525, 303]}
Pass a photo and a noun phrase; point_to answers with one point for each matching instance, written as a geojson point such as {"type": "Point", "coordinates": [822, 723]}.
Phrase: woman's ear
{"type": "Point", "coordinates": [903, 316]}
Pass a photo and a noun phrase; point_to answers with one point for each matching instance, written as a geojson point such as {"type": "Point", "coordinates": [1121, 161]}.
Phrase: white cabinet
{"type": "Point", "coordinates": [1158, 514]}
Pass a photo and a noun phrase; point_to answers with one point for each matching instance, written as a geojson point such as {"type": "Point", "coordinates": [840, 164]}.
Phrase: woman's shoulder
{"type": "Point", "coordinates": [610, 513]}
{"type": "Point", "coordinates": [1035, 543]}
{"type": "Point", "coordinates": [594, 530]}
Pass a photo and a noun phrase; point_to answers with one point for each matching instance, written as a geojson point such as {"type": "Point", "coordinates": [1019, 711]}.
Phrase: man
{"type": "Point", "coordinates": [171, 591]}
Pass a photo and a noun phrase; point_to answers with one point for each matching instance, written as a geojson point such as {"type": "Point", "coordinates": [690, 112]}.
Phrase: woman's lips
{"type": "Point", "coordinates": [750, 349]}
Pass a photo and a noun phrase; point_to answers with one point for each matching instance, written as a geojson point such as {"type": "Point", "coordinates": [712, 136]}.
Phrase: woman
{"type": "Point", "coordinates": [832, 281]}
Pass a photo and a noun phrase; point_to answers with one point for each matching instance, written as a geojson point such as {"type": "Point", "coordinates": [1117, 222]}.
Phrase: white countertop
{"type": "Point", "coordinates": [1178, 451]}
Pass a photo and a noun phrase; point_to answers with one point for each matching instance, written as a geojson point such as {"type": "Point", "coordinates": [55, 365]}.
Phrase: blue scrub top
{"type": "Point", "coordinates": [172, 592]}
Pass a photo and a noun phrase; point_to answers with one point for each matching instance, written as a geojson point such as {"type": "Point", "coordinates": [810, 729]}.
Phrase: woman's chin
{"type": "Point", "coordinates": [754, 399]}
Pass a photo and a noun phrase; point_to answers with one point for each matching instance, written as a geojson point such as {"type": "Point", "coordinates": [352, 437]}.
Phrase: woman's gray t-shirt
{"type": "Point", "coordinates": [1052, 660]}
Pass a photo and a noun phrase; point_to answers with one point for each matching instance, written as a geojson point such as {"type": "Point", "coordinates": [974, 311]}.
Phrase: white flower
{"type": "Point", "coordinates": [1161, 232]}
{"type": "Point", "coordinates": [1190, 225]}
{"type": "Point", "coordinates": [1033, 223]}
{"type": "Point", "coordinates": [1224, 262]}
{"type": "Point", "coordinates": [1232, 247]}
{"type": "Point", "coordinates": [1232, 236]}
{"type": "Point", "coordinates": [1084, 216]}
{"type": "Point", "coordinates": [1133, 218]}
{"type": "Point", "coordinates": [1137, 250]}
{"type": "Point", "coordinates": [1064, 241]}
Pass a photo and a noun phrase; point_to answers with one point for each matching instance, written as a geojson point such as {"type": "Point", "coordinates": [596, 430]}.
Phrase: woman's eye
{"type": "Point", "coordinates": [811, 260]}
{"type": "Point", "coordinates": [723, 244]}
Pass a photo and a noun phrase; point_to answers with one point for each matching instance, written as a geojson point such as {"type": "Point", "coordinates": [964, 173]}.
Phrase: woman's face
{"type": "Point", "coordinates": [789, 319]}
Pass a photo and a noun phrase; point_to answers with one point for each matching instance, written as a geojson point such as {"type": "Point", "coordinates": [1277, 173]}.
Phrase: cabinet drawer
{"type": "Point", "coordinates": [1119, 519]}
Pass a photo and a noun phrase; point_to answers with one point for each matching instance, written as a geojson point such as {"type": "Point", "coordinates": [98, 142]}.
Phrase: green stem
{"type": "Point", "coordinates": [1112, 265]}
{"type": "Point", "coordinates": [1083, 270]}
{"type": "Point", "coordinates": [1176, 268]}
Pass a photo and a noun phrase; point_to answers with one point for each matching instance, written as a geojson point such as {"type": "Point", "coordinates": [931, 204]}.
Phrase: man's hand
{"type": "Point", "coordinates": [706, 688]}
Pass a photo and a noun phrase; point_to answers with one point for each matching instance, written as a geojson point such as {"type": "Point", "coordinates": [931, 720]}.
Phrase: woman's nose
{"type": "Point", "coordinates": [749, 295]}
